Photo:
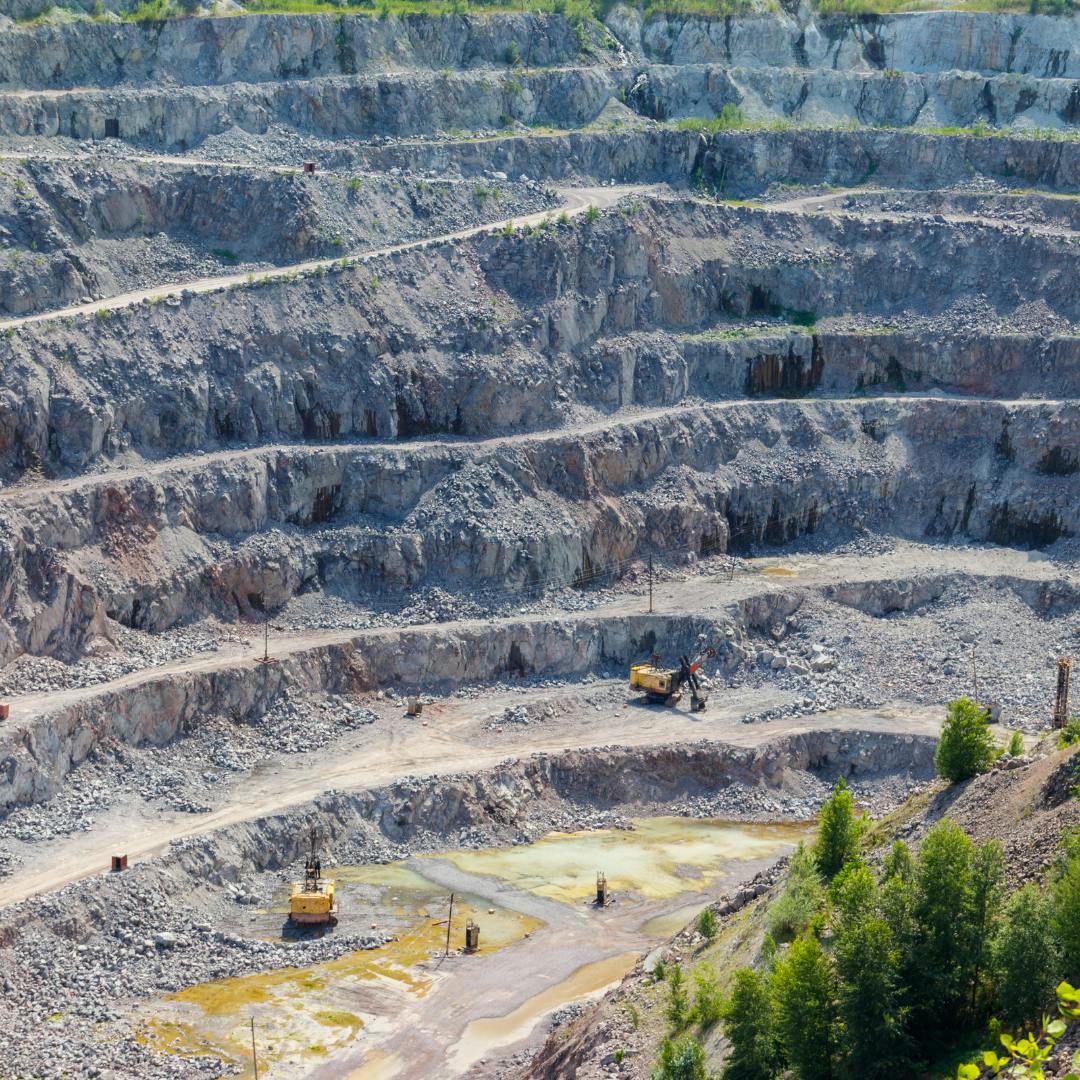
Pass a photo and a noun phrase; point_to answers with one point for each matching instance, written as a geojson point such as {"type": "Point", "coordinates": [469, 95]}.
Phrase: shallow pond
{"type": "Point", "coordinates": [659, 859]}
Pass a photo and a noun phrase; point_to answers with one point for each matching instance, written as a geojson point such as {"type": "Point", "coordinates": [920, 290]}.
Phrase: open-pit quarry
{"type": "Point", "coordinates": [378, 384]}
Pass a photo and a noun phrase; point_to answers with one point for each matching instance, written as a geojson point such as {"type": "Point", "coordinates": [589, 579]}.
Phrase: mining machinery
{"type": "Point", "coordinates": [312, 902]}
{"type": "Point", "coordinates": [665, 685]}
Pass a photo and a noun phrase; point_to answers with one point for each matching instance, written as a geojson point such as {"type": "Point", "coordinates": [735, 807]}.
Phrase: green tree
{"type": "Point", "coordinates": [678, 1006]}
{"type": "Point", "coordinates": [1016, 744]}
{"type": "Point", "coordinates": [1065, 903]}
{"type": "Point", "coordinates": [750, 1030]}
{"type": "Point", "coordinates": [898, 863]}
{"type": "Point", "coordinates": [982, 903]}
{"type": "Point", "coordinates": [790, 914]}
{"type": "Point", "coordinates": [853, 891]}
{"type": "Point", "coordinates": [966, 747]}
{"type": "Point", "coordinates": [804, 990]}
{"type": "Point", "coordinates": [936, 961]}
{"type": "Point", "coordinates": [871, 998]}
{"type": "Point", "coordinates": [682, 1060]}
{"type": "Point", "coordinates": [707, 924]}
{"type": "Point", "coordinates": [707, 1000]}
{"type": "Point", "coordinates": [1024, 957]}
{"type": "Point", "coordinates": [839, 830]}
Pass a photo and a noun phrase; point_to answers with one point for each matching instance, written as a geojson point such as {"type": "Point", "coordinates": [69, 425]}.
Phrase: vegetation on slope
{"type": "Point", "coordinates": [901, 965]}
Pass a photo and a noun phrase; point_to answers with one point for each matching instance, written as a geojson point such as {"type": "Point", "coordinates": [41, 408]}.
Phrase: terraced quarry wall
{"type": "Point", "coordinates": [419, 351]}
{"type": "Point", "coordinates": [322, 74]}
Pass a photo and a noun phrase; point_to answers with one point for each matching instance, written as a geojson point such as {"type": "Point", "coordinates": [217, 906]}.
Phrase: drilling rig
{"type": "Point", "coordinates": [312, 902]}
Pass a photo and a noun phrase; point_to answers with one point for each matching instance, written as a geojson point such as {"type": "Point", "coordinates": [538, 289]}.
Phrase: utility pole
{"type": "Point", "coordinates": [650, 584]}
{"type": "Point", "coordinates": [266, 658]}
{"type": "Point", "coordinates": [254, 1057]}
{"type": "Point", "coordinates": [449, 920]}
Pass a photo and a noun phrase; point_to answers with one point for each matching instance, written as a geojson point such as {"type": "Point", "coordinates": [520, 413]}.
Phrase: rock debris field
{"type": "Point", "coordinates": [354, 362]}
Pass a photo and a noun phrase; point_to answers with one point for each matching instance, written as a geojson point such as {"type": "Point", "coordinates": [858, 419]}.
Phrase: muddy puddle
{"type": "Point", "coordinates": [364, 1014]}
{"type": "Point", "coordinates": [659, 859]}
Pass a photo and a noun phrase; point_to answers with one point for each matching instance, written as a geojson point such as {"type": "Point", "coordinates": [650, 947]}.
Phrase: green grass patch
{"type": "Point", "coordinates": [736, 333]}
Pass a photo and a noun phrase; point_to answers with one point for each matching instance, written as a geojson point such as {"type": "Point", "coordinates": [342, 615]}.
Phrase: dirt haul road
{"type": "Point", "coordinates": [575, 201]}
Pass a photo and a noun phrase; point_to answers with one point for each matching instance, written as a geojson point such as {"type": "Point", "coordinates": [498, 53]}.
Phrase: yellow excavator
{"type": "Point", "coordinates": [312, 902]}
{"type": "Point", "coordinates": [665, 685]}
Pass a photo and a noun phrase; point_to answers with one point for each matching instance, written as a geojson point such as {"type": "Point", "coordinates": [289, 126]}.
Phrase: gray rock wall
{"type": "Point", "coordinates": [332, 356]}
{"type": "Point", "coordinates": [924, 42]}
{"type": "Point", "coordinates": [258, 48]}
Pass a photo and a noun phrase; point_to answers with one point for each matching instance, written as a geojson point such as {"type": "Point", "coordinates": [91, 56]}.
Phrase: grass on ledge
{"type": "Point", "coordinates": [158, 10]}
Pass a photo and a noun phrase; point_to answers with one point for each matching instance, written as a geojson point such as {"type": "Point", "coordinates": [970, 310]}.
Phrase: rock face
{"type": "Point", "coordinates": [325, 74]}
{"type": "Point", "coordinates": [614, 313]}
{"type": "Point", "coordinates": [76, 230]}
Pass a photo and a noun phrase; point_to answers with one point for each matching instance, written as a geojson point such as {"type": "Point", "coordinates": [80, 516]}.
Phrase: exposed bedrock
{"type": "Point", "coordinates": [74, 229]}
{"type": "Point", "coordinates": [234, 537]}
{"type": "Point", "coordinates": [420, 103]}
{"type": "Point", "coordinates": [827, 96]}
{"type": "Point", "coordinates": [882, 598]}
{"type": "Point", "coordinates": [793, 364]}
{"type": "Point", "coordinates": [260, 48]}
{"type": "Point", "coordinates": [374, 350]}
{"type": "Point", "coordinates": [934, 41]}
{"type": "Point", "coordinates": [501, 801]}
{"type": "Point", "coordinates": [741, 163]}
{"type": "Point", "coordinates": [604, 779]}
{"type": "Point", "coordinates": [274, 47]}
{"type": "Point", "coordinates": [747, 162]}
{"type": "Point", "coordinates": [336, 106]}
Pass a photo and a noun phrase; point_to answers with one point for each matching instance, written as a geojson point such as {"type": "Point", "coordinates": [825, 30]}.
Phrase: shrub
{"type": "Point", "coordinates": [707, 924]}
{"type": "Point", "coordinates": [731, 116]}
{"type": "Point", "coordinates": [678, 1006]}
{"type": "Point", "coordinates": [707, 1005]}
{"type": "Point", "coordinates": [898, 863]}
{"type": "Point", "coordinates": [1070, 733]}
{"type": "Point", "coordinates": [591, 214]}
{"type": "Point", "coordinates": [682, 1060]}
{"type": "Point", "coordinates": [1016, 745]}
{"type": "Point", "coordinates": [966, 747]}
{"type": "Point", "coordinates": [1023, 1058]}
{"type": "Point", "coordinates": [791, 913]}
